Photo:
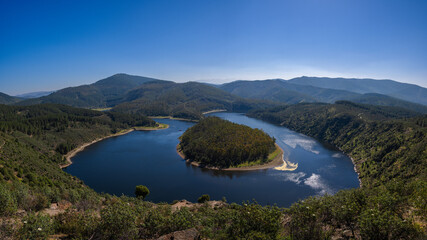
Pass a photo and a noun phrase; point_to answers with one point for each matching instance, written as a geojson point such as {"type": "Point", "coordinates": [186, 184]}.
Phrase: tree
{"type": "Point", "coordinates": [204, 198]}
{"type": "Point", "coordinates": [141, 191]}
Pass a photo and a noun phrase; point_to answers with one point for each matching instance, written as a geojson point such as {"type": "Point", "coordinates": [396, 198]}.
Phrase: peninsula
{"type": "Point", "coordinates": [219, 144]}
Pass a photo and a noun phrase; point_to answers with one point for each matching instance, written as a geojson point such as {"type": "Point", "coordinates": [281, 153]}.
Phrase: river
{"type": "Point", "coordinates": [116, 165]}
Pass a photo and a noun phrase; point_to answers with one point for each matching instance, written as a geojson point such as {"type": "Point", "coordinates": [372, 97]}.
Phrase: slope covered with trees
{"type": "Point", "coordinates": [383, 143]}
{"type": "Point", "coordinates": [405, 91]}
{"type": "Point", "coordinates": [33, 141]}
{"type": "Point", "coordinates": [103, 93]}
{"type": "Point", "coordinates": [6, 99]}
{"type": "Point", "coordinates": [183, 100]}
{"type": "Point", "coordinates": [390, 208]}
{"type": "Point", "coordinates": [291, 92]}
{"type": "Point", "coordinates": [215, 142]}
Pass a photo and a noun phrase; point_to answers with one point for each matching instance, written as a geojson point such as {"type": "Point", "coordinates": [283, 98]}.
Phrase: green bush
{"type": "Point", "coordinates": [204, 198]}
{"type": "Point", "coordinates": [118, 220]}
{"type": "Point", "coordinates": [36, 226]}
{"type": "Point", "coordinates": [375, 224]}
{"type": "Point", "coordinates": [78, 225]}
{"type": "Point", "coordinates": [253, 221]}
{"type": "Point", "coordinates": [141, 191]}
{"type": "Point", "coordinates": [156, 222]}
{"type": "Point", "coordinates": [8, 204]}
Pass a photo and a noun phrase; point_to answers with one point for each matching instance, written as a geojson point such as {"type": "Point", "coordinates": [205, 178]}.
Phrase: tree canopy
{"type": "Point", "coordinates": [219, 143]}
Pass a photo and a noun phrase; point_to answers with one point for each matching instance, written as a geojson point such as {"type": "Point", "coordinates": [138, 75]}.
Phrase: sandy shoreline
{"type": "Point", "coordinates": [276, 162]}
{"type": "Point", "coordinates": [214, 111]}
{"type": "Point", "coordinates": [73, 152]}
{"type": "Point", "coordinates": [173, 118]}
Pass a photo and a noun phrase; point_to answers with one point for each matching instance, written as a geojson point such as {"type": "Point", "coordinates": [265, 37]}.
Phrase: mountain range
{"type": "Point", "coordinates": [293, 91]}
{"type": "Point", "coordinates": [34, 94]}
{"type": "Point", "coordinates": [128, 93]}
{"type": "Point", "coordinates": [405, 91]}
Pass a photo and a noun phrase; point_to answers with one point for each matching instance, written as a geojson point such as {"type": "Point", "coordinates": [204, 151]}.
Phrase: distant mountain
{"type": "Point", "coordinates": [100, 94]}
{"type": "Point", "coordinates": [185, 100]}
{"type": "Point", "coordinates": [384, 100]}
{"type": "Point", "coordinates": [34, 94]}
{"type": "Point", "coordinates": [287, 92]}
{"type": "Point", "coordinates": [282, 91]}
{"type": "Point", "coordinates": [6, 99]}
{"type": "Point", "coordinates": [405, 91]}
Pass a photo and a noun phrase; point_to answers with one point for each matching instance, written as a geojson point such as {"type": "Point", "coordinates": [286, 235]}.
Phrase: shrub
{"type": "Point", "coordinates": [36, 226]}
{"type": "Point", "coordinates": [78, 225]}
{"type": "Point", "coordinates": [204, 198]}
{"type": "Point", "coordinates": [141, 191]}
{"type": "Point", "coordinates": [118, 221]}
{"type": "Point", "coordinates": [375, 224]}
{"type": "Point", "coordinates": [8, 204]}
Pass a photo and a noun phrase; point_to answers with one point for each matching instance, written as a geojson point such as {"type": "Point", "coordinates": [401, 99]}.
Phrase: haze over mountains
{"type": "Point", "coordinates": [405, 91]}
{"type": "Point", "coordinates": [150, 96]}
{"type": "Point", "coordinates": [34, 94]}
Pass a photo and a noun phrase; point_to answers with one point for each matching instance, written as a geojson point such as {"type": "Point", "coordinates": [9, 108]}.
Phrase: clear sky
{"type": "Point", "coordinates": [47, 45]}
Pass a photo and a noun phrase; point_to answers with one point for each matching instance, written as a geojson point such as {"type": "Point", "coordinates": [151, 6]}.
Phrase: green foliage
{"type": "Point", "coordinates": [376, 225]}
{"type": "Point", "coordinates": [30, 134]}
{"type": "Point", "coordinates": [382, 141]}
{"type": "Point", "coordinates": [7, 201]}
{"type": "Point", "coordinates": [141, 191]}
{"type": "Point", "coordinates": [118, 220]}
{"type": "Point", "coordinates": [204, 198]}
{"type": "Point", "coordinates": [183, 100]}
{"type": "Point", "coordinates": [103, 93]}
{"type": "Point", "coordinates": [36, 226]}
{"type": "Point", "coordinates": [220, 143]}
{"type": "Point", "coordinates": [252, 221]}
{"type": "Point", "coordinates": [78, 225]}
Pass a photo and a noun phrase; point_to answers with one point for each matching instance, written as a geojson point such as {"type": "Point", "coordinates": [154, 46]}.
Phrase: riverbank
{"type": "Point", "coordinates": [159, 127]}
{"type": "Point", "coordinates": [214, 111]}
{"type": "Point", "coordinates": [73, 152]}
{"type": "Point", "coordinates": [172, 118]}
{"type": "Point", "coordinates": [276, 162]}
{"type": "Point", "coordinates": [355, 166]}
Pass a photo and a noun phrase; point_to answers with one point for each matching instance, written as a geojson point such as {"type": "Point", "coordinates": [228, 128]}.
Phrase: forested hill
{"type": "Point", "coordinates": [30, 180]}
{"type": "Point", "coordinates": [33, 140]}
{"type": "Point", "coordinates": [6, 99]}
{"type": "Point", "coordinates": [60, 127]}
{"type": "Point", "coordinates": [103, 93]}
{"type": "Point", "coordinates": [405, 91]}
{"type": "Point", "coordinates": [291, 92]}
{"type": "Point", "coordinates": [385, 143]}
{"type": "Point", "coordinates": [183, 100]}
{"type": "Point", "coordinates": [215, 142]}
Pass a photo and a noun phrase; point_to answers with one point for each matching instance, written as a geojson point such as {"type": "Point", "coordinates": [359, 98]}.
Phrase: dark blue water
{"type": "Point", "coordinates": [116, 165]}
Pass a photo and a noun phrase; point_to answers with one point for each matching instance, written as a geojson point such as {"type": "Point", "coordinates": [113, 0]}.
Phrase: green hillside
{"type": "Point", "coordinates": [405, 91]}
{"type": "Point", "coordinates": [382, 143]}
{"type": "Point", "coordinates": [183, 100]}
{"type": "Point", "coordinates": [103, 93]}
{"type": "Point", "coordinates": [33, 141]}
{"type": "Point", "coordinates": [282, 91]}
{"type": "Point", "coordinates": [214, 142]}
{"type": "Point", "coordinates": [6, 99]}
{"type": "Point", "coordinates": [293, 91]}
{"type": "Point", "coordinates": [384, 100]}
{"type": "Point", "coordinates": [389, 149]}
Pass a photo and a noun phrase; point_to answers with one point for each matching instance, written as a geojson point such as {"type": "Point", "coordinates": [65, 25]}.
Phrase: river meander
{"type": "Point", "coordinates": [116, 165]}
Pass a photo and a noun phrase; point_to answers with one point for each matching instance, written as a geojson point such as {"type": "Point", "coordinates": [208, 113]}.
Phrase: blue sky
{"type": "Point", "coordinates": [47, 45]}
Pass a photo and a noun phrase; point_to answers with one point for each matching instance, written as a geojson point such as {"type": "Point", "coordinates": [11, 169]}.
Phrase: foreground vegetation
{"type": "Point", "coordinates": [214, 142]}
{"type": "Point", "coordinates": [390, 205]}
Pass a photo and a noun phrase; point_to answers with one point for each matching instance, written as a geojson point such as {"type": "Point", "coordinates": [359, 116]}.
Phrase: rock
{"type": "Point", "coordinates": [180, 204]}
{"type": "Point", "coordinates": [189, 234]}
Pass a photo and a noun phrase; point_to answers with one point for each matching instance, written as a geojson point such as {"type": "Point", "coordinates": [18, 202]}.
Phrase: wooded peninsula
{"type": "Point", "coordinates": [218, 143]}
